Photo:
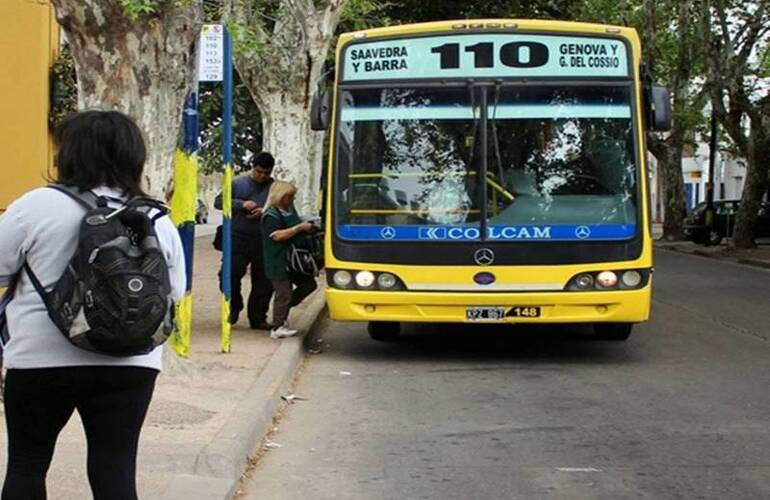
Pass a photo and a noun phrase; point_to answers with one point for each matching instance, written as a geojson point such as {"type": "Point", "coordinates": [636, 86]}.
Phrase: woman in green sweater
{"type": "Point", "coordinates": [281, 226]}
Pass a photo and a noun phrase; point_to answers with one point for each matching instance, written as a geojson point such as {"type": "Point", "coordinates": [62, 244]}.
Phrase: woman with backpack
{"type": "Point", "coordinates": [107, 378]}
{"type": "Point", "coordinates": [281, 228]}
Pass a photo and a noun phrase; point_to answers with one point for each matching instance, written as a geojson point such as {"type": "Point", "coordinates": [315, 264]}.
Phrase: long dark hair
{"type": "Point", "coordinates": [100, 148]}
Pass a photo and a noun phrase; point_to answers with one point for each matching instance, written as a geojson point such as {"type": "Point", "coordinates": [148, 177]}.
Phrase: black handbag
{"type": "Point", "coordinates": [218, 238]}
{"type": "Point", "coordinates": [304, 258]}
{"type": "Point", "coordinates": [301, 261]}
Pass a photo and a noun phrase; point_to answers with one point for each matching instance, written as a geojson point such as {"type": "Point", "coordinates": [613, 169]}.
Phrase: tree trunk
{"type": "Point", "coordinates": [674, 207]}
{"type": "Point", "coordinates": [142, 67]}
{"type": "Point", "coordinates": [281, 69]}
{"type": "Point", "coordinates": [298, 150]}
{"type": "Point", "coordinates": [755, 188]}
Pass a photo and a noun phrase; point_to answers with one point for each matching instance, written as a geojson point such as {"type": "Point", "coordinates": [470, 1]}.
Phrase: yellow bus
{"type": "Point", "coordinates": [489, 171]}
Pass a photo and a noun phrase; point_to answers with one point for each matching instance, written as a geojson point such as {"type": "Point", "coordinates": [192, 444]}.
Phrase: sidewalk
{"type": "Point", "coordinates": [209, 413]}
{"type": "Point", "coordinates": [758, 257]}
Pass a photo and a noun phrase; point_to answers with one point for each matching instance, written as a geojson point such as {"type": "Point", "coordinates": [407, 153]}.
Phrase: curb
{"type": "Point", "coordinates": [219, 467]}
{"type": "Point", "coordinates": [755, 263]}
{"type": "Point", "coordinates": [701, 253]}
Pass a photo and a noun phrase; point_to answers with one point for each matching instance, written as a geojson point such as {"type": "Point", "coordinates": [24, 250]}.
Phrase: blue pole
{"type": "Point", "coordinates": [183, 206]}
{"type": "Point", "coordinates": [227, 198]}
{"type": "Point", "coordinates": [190, 125]}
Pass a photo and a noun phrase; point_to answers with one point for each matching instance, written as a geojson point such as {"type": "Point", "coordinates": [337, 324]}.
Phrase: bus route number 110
{"type": "Point", "coordinates": [513, 54]}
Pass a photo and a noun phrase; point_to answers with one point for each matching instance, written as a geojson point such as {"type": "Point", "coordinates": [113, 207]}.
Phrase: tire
{"type": "Point", "coordinates": [613, 331]}
{"type": "Point", "coordinates": [384, 331]}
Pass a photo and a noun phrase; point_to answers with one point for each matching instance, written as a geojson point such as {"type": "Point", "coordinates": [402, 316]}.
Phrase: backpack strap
{"type": "Point", "coordinates": [86, 199]}
{"type": "Point", "coordinates": [5, 299]}
{"type": "Point", "coordinates": [146, 205]}
{"type": "Point", "coordinates": [36, 283]}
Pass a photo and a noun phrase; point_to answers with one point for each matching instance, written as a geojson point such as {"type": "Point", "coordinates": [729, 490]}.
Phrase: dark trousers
{"type": "Point", "coordinates": [247, 252]}
{"type": "Point", "coordinates": [289, 293]}
{"type": "Point", "coordinates": [112, 403]}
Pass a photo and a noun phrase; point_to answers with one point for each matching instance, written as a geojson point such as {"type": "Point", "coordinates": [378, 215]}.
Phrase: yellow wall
{"type": "Point", "coordinates": [28, 43]}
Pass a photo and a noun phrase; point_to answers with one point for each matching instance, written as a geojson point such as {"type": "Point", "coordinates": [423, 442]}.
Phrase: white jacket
{"type": "Point", "coordinates": [41, 228]}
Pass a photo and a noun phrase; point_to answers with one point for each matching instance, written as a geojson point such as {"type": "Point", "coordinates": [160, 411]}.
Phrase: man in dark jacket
{"type": "Point", "coordinates": [249, 196]}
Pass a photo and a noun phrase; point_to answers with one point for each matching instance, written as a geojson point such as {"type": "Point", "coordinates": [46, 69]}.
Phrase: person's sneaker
{"type": "Point", "coordinates": [282, 332]}
{"type": "Point", "coordinates": [262, 325]}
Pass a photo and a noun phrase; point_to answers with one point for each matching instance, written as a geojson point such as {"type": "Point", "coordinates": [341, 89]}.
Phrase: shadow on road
{"type": "Point", "coordinates": [488, 344]}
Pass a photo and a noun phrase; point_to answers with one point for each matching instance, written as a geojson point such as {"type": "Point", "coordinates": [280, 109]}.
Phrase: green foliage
{"type": "Point", "coordinates": [213, 11]}
{"type": "Point", "coordinates": [363, 14]}
{"type": "Point", "coordinates": [134, 9]}
{"type": "Point", "coordinates": [64, 87]}
{"type": "Point", "coordinates": [247, 125]}
{"type": "Point", "coordinates": [415, 11]}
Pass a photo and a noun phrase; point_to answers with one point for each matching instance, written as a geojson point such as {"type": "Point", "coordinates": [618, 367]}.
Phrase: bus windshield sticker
{"type": "Point", "coordinates": [493, 55]}
{"type": "Point", "coordinates": [494, 232]}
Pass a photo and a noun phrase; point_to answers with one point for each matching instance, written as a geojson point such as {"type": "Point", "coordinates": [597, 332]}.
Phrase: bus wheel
{"type": "Point", "coordinates": [613, 331]}
{"type": "Point", "coordinates": [384, 331]}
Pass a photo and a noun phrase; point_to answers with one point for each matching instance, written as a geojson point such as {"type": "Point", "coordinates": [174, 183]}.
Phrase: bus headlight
{"type": "Point", "coordinates": [607, 279]}
{"type": "Point", "coordinates": [584, 281]}
{"type": "Point", "coordinates": [364, 279]}
{"type": "Point", "coordinates": [631, 279]}
{"type": "Point", "coordinates": [342, 279]}
{"type": "Point", "coordinates": [386, 281]}
{"type": "Point", "coordinates": [353, 279]}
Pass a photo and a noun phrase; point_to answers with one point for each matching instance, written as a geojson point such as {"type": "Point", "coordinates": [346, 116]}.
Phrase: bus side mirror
{"type": "Point", "coordinates": [660, 109]}
{"type": "Point", "coordinates": [320, 110]}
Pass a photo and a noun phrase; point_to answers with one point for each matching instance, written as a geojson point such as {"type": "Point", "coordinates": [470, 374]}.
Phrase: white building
{"type": "Point", "coordinates": [729, 177]}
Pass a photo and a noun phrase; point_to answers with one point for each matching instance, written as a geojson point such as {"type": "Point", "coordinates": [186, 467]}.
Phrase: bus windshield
{"type": "Point", "coordinates": [560, 163]}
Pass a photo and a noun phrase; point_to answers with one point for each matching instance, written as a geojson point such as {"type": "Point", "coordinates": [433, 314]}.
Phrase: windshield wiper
{"type": "Point", "coordinates": [496, 146]}
{"type": "Point", "coordinates": [472, 91]}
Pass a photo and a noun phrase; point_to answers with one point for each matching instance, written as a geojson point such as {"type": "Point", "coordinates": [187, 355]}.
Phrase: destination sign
{"type": "Point", "coordinates": [493, 55]}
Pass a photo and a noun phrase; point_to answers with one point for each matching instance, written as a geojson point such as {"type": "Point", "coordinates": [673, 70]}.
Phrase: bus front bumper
{"type": "Point", "coordinates": [627, 306]}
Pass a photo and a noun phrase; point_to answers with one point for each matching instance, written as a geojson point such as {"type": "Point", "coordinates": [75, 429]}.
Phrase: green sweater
{"type": "Point", "coordinates": [274, 252]}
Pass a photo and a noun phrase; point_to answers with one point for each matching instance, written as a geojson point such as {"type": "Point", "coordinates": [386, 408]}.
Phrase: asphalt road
{"type": "Point", "coordinates": [680, 410]}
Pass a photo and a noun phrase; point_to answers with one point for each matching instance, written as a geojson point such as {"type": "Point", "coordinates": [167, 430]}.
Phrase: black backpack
{"type": "Point", "coordinates": [113, 297]}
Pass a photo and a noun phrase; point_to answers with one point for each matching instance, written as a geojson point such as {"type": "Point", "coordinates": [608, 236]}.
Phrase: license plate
{"type": "Point", "coordinates": [485, 313]}
{"type": "Point", "coordinates": [524, 312]}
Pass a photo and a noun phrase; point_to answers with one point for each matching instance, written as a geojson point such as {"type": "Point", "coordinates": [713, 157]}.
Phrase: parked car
{"type": "Point", "coordinates": [201, 213]}
{"type": "Point", "coordinates": [725, 212]}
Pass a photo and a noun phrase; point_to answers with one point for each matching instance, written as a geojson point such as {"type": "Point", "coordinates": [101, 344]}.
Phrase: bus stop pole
{"type": "Point", "coordinates": [183, 207]}
{"type": "Point", "coordinates": [227, 194]}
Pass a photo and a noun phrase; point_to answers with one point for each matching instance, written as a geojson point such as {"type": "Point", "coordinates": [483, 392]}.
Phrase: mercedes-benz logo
{"type": "Point", "coordinates": [582, 232]}
{"type": "Point", "coordinates": [484, 256]}
{"type": "Point", "coordinates": [388, 232]}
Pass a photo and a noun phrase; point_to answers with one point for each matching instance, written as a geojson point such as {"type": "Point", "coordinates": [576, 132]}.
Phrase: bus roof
{"type": "Point", "coordinates": [494, 25]}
